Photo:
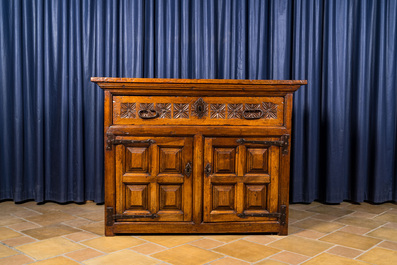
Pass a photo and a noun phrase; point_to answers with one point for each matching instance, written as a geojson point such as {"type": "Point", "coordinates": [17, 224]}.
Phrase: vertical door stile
{"type": "Point", "coordinates": [240, 169]}
{"type": "Point", "coordinates": [187, 181]}
{"type": "Point", "coordinates": [207, 200]}
{"type": "Point", "coordinates": [154, 171]}
{"type": "Point", "coordinates": [120, 189]}
{"type": "Point", "coordinates": [274, 175]}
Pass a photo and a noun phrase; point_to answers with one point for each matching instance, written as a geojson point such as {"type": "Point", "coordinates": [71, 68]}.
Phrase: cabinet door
{"type": "Point", "coordinates": [240, 180]}
{"type": "Point", "coordinates": [154, 179]}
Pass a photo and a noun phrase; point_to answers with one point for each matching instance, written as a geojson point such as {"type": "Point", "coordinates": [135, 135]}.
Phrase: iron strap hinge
{"type": "Point", "coordinates": [281, 216]}
{"type": "Point", "coordinates": [111, 140]}
{"type": "Point", "coordinates": [283, 143]}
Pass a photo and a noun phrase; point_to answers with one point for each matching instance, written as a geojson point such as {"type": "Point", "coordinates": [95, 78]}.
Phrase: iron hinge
{"type": "Point", "coordinates": [111, 140]}
{"type": "Point", "coordinates": [283, 143]}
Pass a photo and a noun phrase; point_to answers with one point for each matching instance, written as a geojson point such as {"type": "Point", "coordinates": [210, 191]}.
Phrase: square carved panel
{"type": "Point", "coordinates": [223, 197]}
{"type": "Point", "coordinates": [170, 160]}
{"type": "Point", "coordinates": [255, 197]}
{"type": "Point", "coordinates": [137, 197]}
{"type": "Point", "coordinates": [257, 160]}
{"type": "Point", "coordinates": [137, 160]}
{"type": "Point", "coordinates": [224, 160]}
{"type": "Point", "coordinates": [170, 197]}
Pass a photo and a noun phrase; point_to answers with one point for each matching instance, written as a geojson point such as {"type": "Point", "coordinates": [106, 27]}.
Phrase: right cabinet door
{"type": "Point", "coordinates": [241, 179]}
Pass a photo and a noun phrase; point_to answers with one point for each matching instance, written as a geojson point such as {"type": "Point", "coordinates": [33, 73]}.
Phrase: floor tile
{"type": "Point", "coordinates": [179, 255]}
{"type": "Point", "coordinates": [328, 209]}
{"type": "Point", "coordinates": [329, 259]}
{"type": "Point", "coordinates": [310, 234]}
{"type": "Point", "coordinates": [229, 261]}
{"type": "Point", "coordinates": [6, 233]}
{"type": "Point", "coordinates": [6, 251]}
{"type": "Point", "coordinates": [225, 238]}
{"type": "Point", "coordinates": [384, 233]}
{"type": "Point", "coordinates": [387, 217]}
{"type": "Point", "coordinates": [17, 241]}
{"type": "Point", "coordinates": [380, 256]}
{"type": "Point", "coordinates": [246, 250]}
{"type": "Point", "coordinates": [49, 248]}
{"type": "Point", "coordinates": [363, 215]}
{"type": "Point", "coordinates": [206, 243]}
{"type": "Point", "coordinates": [124, 257]}
{"type": "Point", "coordinates": [263, 239]}
{"type": "Point", "coordinates": [50, 231]}
{"type": "Point", "coordinates": [57, 261]}
{"type": "Point", "coordinates": [351, 240]}
{"type": "Point", "coordinates": [324, 217]}
{"type": "Point", "coordinates": [170, 241]}
{"type": "Point", "coordinates": [16, 260]}
{"type": "Point", "coordinates": [50, 218]}
{"type": "Point", "coordinates": [8, 220]}
{"type": "Point", "coordinates": [84, 254]}
{"type": "Point", "coordinates": [362, 222]}
{"type": "Point", "coordinates": [290, 257]}
{"type": "Point", "coordinates": [80, 236]}
{"type": "Point", "coordinates": [79, 223]}
{"type": "Point", "coordinates": [369, 208]}
{"type": "Point", "coordinates": [299, 214]}
{"type": "Point", "coordinates": [389, 245]}
{"type": "Point", "coordinates": [317, 225]}
{"type": "Point", "coordinates": [111, 244]}
{"type": "Point", "coordinates": [92, 216]}
{"type": "Point", "coordinates": [270, 262]}
{"type": "Point", "coordinates": [96, 228]}
{"type": "Point", "coordinates": [345, 252]}
{"type": "Point", "coordinates": [304, 246]}
{"type": "Point", "coordinates": [355, 229]}
{"type": "Point", "coordinates": [148, 248]}
{"type": "Point", "coordinates": [23, 226]}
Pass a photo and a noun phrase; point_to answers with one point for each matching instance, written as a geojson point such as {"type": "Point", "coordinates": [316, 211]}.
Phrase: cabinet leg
{"type": "Point", "coordinates": [109, 231]}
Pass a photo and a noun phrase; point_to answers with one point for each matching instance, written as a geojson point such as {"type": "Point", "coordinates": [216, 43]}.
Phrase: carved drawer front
{"type": "Point", "coordinates": [154, 179]}
{"type": "Point", "coordinates": [156, 110]}
{"type": "Point", "coordinates": [241, 179]}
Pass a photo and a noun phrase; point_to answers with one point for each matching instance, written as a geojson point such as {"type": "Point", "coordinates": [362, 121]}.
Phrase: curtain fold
{"type": "Point", "coordinates": [344, 123]}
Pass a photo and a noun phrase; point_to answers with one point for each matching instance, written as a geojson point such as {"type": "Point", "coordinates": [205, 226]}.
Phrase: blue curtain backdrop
{"type": "Point", "coordinates": [345, 119]}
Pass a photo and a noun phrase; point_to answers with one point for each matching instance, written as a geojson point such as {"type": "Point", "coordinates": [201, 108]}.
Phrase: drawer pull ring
{"type": "Point", "coordinates": [188, 169]}
{"type": "Point", "coordinates": [148, 114]}
{"type": "Point", "coordinates": [252, 114]}
{"type": "Point", "coordinates": [208, 169]}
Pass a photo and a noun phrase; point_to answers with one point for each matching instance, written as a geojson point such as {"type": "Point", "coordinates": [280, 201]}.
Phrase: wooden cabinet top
{"type": "Point", "coordinates": [238, 85]}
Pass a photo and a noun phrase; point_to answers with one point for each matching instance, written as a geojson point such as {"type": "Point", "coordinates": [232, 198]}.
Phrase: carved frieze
{"type": "Point", "coordinates": [269, 110]}
{"type": "Point", "coordinates": [234, 111]}
{"type": "Point", "coordinates": [218, 111]}
{"type": "Point", "coordinates": [164, 110]}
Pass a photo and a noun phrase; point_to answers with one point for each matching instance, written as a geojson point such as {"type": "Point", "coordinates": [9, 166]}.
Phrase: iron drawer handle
{"type": "Point", "coordinates": [252, 114]}
{"type": "Point", "coordinates": [148, 114]}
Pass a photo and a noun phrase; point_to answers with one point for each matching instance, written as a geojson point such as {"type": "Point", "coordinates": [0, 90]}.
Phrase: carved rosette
{"type": "Point", "coordinates": [164, 110]}
{"type": "Point", "coordinates": [234, 111]}
{"type": "Point", "coordinates": [200, 108]}
{"type": "Point", "coordinates": [181, 110]}
{"type": "Point", "coordinates": [269, 110]}
{"type": "Point", "coordinates": [218, 111]}
{"type": "Point", "coordinates": [128, 110]}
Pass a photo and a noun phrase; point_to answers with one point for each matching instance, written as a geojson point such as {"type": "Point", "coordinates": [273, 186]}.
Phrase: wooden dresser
{"type": "Point", "coordinates": [197, 156]}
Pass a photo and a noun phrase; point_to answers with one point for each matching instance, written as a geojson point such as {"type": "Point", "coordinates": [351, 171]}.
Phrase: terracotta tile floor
{"type": "Point", "coordinates": [57, 234]}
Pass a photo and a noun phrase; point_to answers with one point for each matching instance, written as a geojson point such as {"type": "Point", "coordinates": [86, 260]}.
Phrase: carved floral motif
{"type": "Point", "coordinates": [217, 111]}
{"type": "Point", "coordinates": [269, 110]}
{"type": "Point", "coordinates": [164, 110]}
{"type": "Point", "coordinates": [128, 110]}
{"type": "Point", "coordinates": [234, 111]}
{"type": "Point", "coordinates": [181, 110]}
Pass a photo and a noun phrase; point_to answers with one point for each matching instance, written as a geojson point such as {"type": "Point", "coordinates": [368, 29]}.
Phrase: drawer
{"type": "Point", "coordinates": [159, 110]}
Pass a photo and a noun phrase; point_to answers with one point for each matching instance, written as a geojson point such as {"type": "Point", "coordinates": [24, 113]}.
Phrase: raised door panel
{"type": "Point", "coordinates": [153, 179]}
{"type": "Point", "coordinates": [240, 180]}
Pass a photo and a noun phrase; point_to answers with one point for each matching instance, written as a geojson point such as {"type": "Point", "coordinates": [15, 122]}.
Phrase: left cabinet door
{"type": "Point", "coordinates": [154, 179]}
